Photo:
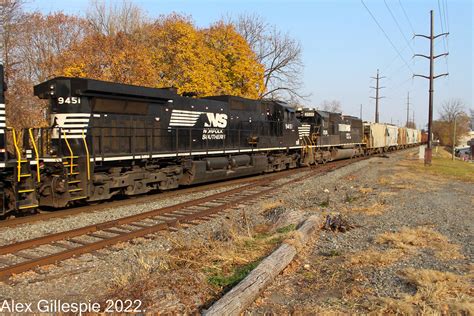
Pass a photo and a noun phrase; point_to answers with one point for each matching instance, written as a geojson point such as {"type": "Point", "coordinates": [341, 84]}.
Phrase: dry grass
{"type": "Point", "coordinates": [375, 258]}
{"type": "Point", "coordinates": [410, 239]}
{"type": "Point", "coordinates": [366, 190]}
{"type": "Point", "coordinates": [374, 209]}
{"type": "Point", "coordinates": [436, 293]}
{"type": "Point", "coordinates": [265, 206]}
{"type": "Point", "coordinates": [212, 264]}
{"type": "Point", "coordinates": [384, 181]}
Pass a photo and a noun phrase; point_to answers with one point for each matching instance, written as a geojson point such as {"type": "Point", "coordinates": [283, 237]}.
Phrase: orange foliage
{"type": "Point", "coordinates": [170, 52]}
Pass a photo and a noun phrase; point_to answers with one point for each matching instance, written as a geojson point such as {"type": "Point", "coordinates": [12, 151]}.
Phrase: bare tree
{"type": "Point", "coordinates": [451, 109]}
{"type": "Point", "coordinates": [331, 106]}
{"type": "Point", "coordinates": [10, 15]}
{"type": "Point", "coordinates": [43, 38]}
{"type": "Point", "coordinates": [123, 17]}
{"type": "Point", "coordinates": [443, 128]}
{"type": "Point", "coordinates": [278, 52]}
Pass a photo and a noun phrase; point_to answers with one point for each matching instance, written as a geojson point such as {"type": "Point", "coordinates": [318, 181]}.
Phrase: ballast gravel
{"type": "Point", "coordinates": [88, 277]}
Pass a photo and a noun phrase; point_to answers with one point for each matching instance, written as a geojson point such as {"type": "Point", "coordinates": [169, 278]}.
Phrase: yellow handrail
{"type": "Point", "coordinates": [32, 139]}
{"type": "Point", "coordinates": [18, 154]}
{"type": "Point", "coordinates": [71, 157]}
{"type": "Point", "coordinates": [87, 156]}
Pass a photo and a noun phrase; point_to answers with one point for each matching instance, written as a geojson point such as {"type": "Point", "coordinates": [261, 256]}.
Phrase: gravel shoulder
{"type": "Point", "coordinates": [185, 271]}
{"type": "Point", "coordinates": [408, 248]}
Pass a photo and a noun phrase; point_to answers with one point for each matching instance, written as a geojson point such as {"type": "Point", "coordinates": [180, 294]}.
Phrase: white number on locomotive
{"type": "Point", "coordinates": [69, 100]}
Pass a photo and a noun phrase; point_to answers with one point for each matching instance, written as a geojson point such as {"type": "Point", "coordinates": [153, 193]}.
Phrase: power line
{"type": "Point", "coordinates": [442, 16]}
{"type": "Point", "coordinates": [389, 65]}
{"type": "Point", "coordinates": [388, 38]}
{"type": "Point", "coordinates": [398, 25]}
{"type": "Point", "coordinates": [441, 23]}
{"type": "Point", "coordinates": [406, 16]}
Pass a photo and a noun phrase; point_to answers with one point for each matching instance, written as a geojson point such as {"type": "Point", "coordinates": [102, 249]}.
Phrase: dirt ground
{"type": "Point", "coordinates": [408, 248]}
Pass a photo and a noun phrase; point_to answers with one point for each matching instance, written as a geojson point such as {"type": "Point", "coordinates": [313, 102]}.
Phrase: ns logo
{"type": "Point", "coordinates": [218, 120]}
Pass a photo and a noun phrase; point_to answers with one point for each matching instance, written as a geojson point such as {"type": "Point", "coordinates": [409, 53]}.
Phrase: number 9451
{"type": "Point", "coordinates": [69, 100]}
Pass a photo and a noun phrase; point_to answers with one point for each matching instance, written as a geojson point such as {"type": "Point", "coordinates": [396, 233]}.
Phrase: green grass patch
{"type": "Point", "coordinates": [235, 277]}
{"type": "Point", "coordinates": [286, 229]}
{"type": "Point", "coordinates": [445, 167]}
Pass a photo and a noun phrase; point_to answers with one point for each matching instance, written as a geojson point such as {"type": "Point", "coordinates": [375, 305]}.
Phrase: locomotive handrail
{"type": "Point", "coordinates": [32, 139]}
{"type": "Point", "coordinates": [18, 154]}
{"type": "Point", "coordinates": [71, 157]}
{"type": "Point", "coordinates": [87, 156]}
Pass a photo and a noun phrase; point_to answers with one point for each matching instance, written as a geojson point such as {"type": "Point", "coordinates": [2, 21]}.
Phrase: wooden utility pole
{"type": "Point", "coordinates": [431, 78]}
{"type": "Point", "coordinates": [377, 97]}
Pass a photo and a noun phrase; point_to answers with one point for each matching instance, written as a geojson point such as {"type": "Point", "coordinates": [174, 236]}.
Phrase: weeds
{"type": "Point", "coordinates": [375, 258]}
{"type": "Point", "coordinates": [374, 209]}
{"type": "Point", "coordinates": [409, 239]}
{"type": "Point", "coordinates": [225, 281]}
{"type": "Point", "coordinates": [286, 229]}
{"type": "Point", "coordinates": [325, 203]}
{"type": "Point", "coordinates": [436, 293]}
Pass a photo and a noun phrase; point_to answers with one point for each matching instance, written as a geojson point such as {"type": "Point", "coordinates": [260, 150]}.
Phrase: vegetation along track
{"type": "Point", "coordinates": [25, 255]}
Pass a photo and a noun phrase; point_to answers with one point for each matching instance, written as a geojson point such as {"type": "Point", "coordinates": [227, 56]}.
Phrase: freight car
{"type": "Point", "coordinates": [380, 138]}
{"type": "Point", "coordinates": [108, 139]}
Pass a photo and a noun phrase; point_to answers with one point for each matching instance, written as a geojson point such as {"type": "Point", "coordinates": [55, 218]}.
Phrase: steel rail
{"type": "Point", "coordinates": [168, 217]}
{"type": "Point", "coordinates": [152, 196]}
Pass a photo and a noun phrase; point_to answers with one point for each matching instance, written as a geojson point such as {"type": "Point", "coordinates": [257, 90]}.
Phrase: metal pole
{"type": "Point", "coordinates": [428, 151]}
{"type": "Point", "coordinates": [377, 99]}
{"type": "Point", "coordinates": [454, 138]}
{"type": "Point", "coordinates": [431, 77]}
{"type": "Point", "coordinates": [408, 109]}
{"type": "Point", "coordinates": [361, 111]}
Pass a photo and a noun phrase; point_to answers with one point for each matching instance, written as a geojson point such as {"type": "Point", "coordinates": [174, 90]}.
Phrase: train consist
{"type": "Point", "coordinates": [108, 139]}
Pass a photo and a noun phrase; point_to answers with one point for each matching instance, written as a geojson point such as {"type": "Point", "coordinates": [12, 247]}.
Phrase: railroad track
{"type": "Point", "coordinates": [29, 254]}
{"type": "Point", "coordinates": [62, 213]}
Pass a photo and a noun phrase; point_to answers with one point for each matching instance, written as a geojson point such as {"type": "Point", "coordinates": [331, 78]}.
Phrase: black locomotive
{"type": "Point", "coordinates": [109, 139]}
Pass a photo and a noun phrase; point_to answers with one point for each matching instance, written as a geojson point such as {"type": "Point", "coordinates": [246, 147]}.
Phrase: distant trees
{"type": "Point", "coordinates": [443, 128]}
{"type": "Point", "coordinates": [280, 55]}
{"type": "Point", "coordinates": [118, 42]}
{"type": "Point", "coordinates": [331, 106]}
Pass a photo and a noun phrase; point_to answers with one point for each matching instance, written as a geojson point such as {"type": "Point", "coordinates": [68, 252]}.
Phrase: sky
{"type": "Point", "coordinates": [343, 46]}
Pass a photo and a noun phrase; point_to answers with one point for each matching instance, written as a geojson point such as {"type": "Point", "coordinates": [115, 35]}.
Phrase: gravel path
{"type": "Point", "coordinates": [356, 271]}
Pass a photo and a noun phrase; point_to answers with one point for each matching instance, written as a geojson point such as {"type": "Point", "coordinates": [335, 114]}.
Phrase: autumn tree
{"type": "Point", "coordinates": [279, 53]}
{"type": "Point", "coordinates": [443, 128]}
{"type": "Point", "coordinates": [235, 64]}
{"type": "Point", "coordinates": [171, 52]}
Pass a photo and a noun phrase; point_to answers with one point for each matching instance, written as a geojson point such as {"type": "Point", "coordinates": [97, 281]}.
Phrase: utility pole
{"type": "Point", "coordinates": [454, 137]}
{"type": "Point", "coordinates": [377, 97]}
{"type": "Point", "coordinates": [361, 111]}
{"type": "Point", "coordinates": [431, 78]}
{"type": "Point", "coordinates": [408, 109]}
